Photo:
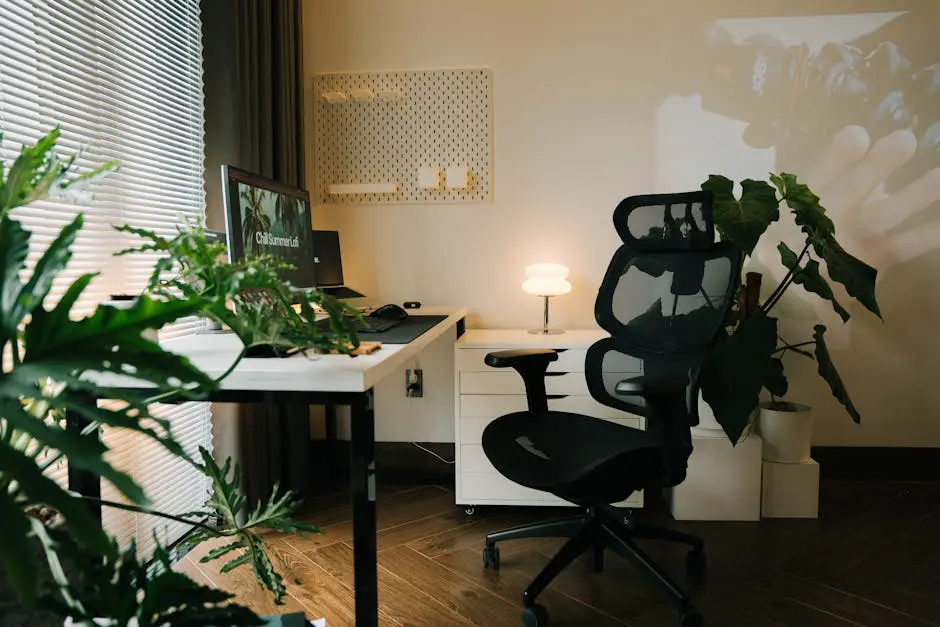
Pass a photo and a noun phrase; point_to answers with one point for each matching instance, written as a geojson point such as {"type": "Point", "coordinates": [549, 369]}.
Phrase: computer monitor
{"type": "Point", "coordinates": [263, 216]}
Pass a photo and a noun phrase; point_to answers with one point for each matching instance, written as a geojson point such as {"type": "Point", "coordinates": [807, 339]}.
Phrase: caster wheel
{"type": "Point", "coordinates": [534, 616]}
{"type": "Point", "coordinates": [470, 510]}
{"type": "Point", "coordinates": [695, 563]}
{"type": "Point", "coordinates": [491, 557]}
{"type": "Point", "coordinates": [691, 618]}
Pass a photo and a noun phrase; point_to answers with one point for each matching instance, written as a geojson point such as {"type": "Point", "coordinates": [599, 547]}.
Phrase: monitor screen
{"type": "Point", "coordinates": [267, 217]}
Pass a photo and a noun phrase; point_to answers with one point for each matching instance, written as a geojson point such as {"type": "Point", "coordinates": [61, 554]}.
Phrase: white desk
{"type": "Point", "coordinates": [315, 379]}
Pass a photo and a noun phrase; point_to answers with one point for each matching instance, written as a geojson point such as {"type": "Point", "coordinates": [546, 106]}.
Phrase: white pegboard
{"type": "Point", "coordinates": [442, 119]}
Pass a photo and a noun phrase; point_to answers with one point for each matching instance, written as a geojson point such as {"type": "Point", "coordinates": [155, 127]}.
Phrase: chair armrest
{"type": "Point", "coordinates": [652, 386]}
{"type": "Point", "coordinates": [531, 364]}
{"type": "Point", "coordinates": [522, 357]}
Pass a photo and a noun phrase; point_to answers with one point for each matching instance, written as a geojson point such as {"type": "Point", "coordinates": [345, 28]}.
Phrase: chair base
{"type": "Point", "coordinates": [600, 528]}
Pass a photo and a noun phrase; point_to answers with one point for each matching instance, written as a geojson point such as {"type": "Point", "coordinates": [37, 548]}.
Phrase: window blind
{"type": "Point", "coordinates": [124, 82]}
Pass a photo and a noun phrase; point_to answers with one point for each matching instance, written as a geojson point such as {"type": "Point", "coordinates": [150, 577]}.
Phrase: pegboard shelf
{"type": "Point", "coordinates": [375, 127]}
{"type": "Point", "coordinates": [363, 188]}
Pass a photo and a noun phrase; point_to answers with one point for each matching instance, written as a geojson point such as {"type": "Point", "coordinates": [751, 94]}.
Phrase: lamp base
{"type": "Point", "coordinates": [546, 331]}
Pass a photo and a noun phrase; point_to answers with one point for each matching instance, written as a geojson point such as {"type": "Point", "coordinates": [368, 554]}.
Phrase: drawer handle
{"type": "Point", "coordinates": [553, 397]}
{"type": "Point", "coordinates": [555, 374]}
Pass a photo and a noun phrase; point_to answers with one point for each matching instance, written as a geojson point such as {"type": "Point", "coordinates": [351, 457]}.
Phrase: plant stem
{"type": "Point", "coordinates": [152, 512]}
{"type": "Point", "coordinates": [792, 346]}
{"type": "Point", "coordinates": [785, 283]}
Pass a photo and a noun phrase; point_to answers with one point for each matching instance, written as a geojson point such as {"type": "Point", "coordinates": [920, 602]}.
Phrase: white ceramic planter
{"type": "Point", "coordinates": [787, 433]}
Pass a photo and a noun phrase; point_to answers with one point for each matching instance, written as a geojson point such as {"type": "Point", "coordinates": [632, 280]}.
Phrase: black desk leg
{"type": "Point", "coordinates": [81, 481]}
{"type": "Point", "coordinates": [362, 469]}
{"type": "Point", "coordinates": [331, 442]}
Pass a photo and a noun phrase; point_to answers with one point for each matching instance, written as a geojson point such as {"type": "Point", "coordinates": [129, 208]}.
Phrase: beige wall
{"type": "Point", "coordinates": [588, 108]}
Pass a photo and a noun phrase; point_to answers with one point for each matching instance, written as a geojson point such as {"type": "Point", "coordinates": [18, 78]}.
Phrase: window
{"type": "Point", "coordinates": [124, 82]}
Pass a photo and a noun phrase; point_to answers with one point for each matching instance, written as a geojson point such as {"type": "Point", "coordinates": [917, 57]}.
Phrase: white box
{"type": "Point", "coordinates": [723, 482]}
{"type": "Point", "coordinates": [790, 490]}
{"type": "Point", "coordinates": [456, 176]}
{"type": "Point", "coordinates": [429, 178]}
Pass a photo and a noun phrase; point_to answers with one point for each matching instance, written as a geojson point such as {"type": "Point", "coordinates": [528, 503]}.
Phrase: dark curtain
{"type": "Point", "coordinates": [253, 56]}
{"type": "Point", "coordinates": [269, 80]}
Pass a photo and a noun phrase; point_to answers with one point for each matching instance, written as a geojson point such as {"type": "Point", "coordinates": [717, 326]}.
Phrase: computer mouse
{"type": "Point", "coordinates": [390, 311]}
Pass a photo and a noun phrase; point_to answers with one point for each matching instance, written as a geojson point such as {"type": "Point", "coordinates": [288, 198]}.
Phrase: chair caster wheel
{"type": "Point", "coordinates": [695, 563]}
{"type": "Point", "coordinates": [470, 510]}
{"type": "Point", "coordinates": [690, 617]}
{"type": "Point", "coordinates": [534, 616]}
{"type": "Point", "coordinates": [491, 557]}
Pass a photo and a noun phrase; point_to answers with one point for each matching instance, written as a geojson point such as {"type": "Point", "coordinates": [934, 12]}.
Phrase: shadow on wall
{"type": "Point", "coordinates": [851, 104]}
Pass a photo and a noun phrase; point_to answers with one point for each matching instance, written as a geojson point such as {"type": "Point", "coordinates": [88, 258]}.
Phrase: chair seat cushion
{"type": "Point", "coordinates": [579, 458]}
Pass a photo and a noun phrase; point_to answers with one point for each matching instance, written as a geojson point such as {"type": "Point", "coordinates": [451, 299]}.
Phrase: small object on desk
{"type": "Point", "coordinates": [364, 348]}
{"type": "Point", "coordinates": [412, 304]}
{"type": "Point", "coordinates": [390, 311]}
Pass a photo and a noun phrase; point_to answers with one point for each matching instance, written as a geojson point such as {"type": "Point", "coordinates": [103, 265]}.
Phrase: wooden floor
{"type": "Point", "coordinates": [872, 558]}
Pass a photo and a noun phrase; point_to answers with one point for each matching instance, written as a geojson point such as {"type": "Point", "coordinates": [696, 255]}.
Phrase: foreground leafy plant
{"type": "Point", "coordinates": [49, 361]}
{"type": "Point", "coordinates": [119, 590]}
{"type": "Point", "coordinates": [53, 362]}
{"type": "Point", "coordinates": [748, 356]}
{"type": "Point", "coordinates": [247, 296]}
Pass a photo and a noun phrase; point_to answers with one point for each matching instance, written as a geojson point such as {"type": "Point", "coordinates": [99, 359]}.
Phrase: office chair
{"type": "Point", "coordinates": [666, 294]}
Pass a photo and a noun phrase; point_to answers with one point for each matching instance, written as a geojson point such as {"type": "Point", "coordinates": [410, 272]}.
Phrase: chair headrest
{"type": "Point", "coordinates": [666, 222]}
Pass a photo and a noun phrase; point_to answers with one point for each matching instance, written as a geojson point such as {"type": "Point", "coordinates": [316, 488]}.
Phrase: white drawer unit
{"type": "Point", "coordinates": [483, 393]}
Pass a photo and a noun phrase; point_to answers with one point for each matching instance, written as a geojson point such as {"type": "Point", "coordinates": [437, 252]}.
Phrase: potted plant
{"type": "Point", "coordinates": [748, 357]}
{"type": "Point", "coordinates": [55, 556]}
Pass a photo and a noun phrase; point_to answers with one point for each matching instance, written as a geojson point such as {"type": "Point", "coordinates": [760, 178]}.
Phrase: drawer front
{"type": "Point", "coordinates": [569, 360]}
{"type": "Point", "coordinates": [509, 382]}
{"type": "Point", "coordinates": [486, 486]}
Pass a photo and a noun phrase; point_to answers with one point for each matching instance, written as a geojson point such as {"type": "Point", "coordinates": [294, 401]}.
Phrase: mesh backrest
{"type": "Point", "coordinates": [666, 293]}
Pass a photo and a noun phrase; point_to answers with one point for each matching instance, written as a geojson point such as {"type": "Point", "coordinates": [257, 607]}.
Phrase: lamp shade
{"type": "Point", "coordinates": [546, 279]}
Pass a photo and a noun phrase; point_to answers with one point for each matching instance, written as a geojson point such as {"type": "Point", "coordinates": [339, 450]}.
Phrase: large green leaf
{"type": "Point", "coordinates": [827, 370]}
{"type": "Point", "coordinates": [276, 514]}
{"type": "Point", "coordinates": [83, 452]}
{"type": "Point", "coordinates": [857, 276]}
{"type": "Point", "coordinates": [38, 172]}
{"type": "Point", "coordinates": [808, 213]}
{"type": "Point", "coordinates": [776, 382]}
{"type": "Point", "coordinates": [53, 261]}
{"type": "Point", "coordinates": [16, 557]}
{"type": "Point", "coordinates": [111, 340]}
{"type": "Point", "coordinates": [737, 367]}
{"type": "Point", "coordinates": [809, 277]}
{"type": "Point", "coordinates": [743, 220]}
{"type": "Point", "coordinates": [124, 589]}
{"type": "Point", "coordinates": [14, 248]}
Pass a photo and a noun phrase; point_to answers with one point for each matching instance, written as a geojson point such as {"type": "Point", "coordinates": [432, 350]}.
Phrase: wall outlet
{"type": "Point", "coordinates": [414, 383]}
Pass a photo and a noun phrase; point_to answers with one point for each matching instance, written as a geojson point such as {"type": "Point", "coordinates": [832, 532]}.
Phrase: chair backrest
{"type": "Point", "coordinates": [667, 292]}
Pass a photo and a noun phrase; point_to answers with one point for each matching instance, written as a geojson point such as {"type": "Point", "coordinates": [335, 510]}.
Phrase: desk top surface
{"type": "Point", "coordinates": [214, 353]}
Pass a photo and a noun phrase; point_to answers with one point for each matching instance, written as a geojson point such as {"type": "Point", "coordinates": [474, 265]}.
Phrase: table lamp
{"type": "Point", "coordinates": [546, 280]}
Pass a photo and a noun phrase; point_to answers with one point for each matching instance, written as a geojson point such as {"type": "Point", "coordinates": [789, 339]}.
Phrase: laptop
{"type": "Point", "coordinates": [329, 265]}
